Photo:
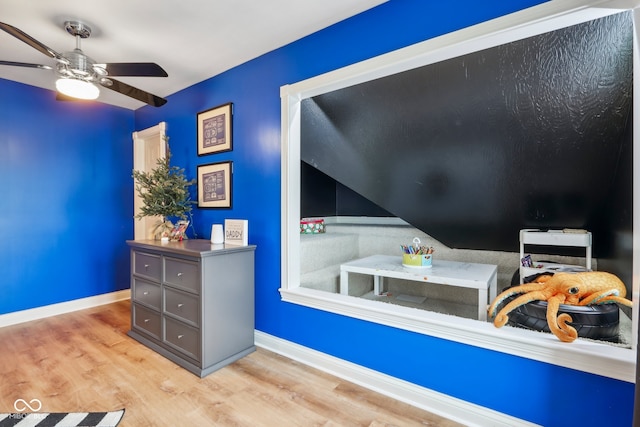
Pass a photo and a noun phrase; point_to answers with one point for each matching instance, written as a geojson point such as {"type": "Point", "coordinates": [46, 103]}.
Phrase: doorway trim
{"type": "Point", "coordinates": [149, 145]}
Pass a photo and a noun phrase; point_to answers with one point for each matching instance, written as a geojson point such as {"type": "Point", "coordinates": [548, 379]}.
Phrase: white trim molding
{"type": "Point", "coordinates": [420, 397]}
{"type": "Point", "coordinates": [62, 308]}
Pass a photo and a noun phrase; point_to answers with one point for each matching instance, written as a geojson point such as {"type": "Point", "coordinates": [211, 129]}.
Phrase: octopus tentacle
{"type": "Point", "coordinates": [558, 324]}
{"type": "Point", "coordinates": [501, 318]}
{"type": "Point", "coordinates": [569, 332]}
{"type": "Point", "coordinates": [606, 297]}
{"type": "Point", "coordinates": [493, 308]}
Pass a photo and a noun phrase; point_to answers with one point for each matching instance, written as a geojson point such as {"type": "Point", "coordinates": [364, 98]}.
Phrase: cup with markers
{"type": "Point", "coordinates": [417, 255]}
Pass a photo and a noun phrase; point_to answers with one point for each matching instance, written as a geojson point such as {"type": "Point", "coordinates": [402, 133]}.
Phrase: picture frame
{"type": "Point", "coordinates": [236, 232]}
{"type": "Point", "coordinates": [215, 185]}
{"type": "Point", "coordinates": [215, 130]}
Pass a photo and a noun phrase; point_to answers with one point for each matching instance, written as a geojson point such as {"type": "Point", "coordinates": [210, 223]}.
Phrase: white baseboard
{"type": "Point", "coordinates": [429, 400]}
{"type": "Point", "coordinates": [62, 308]}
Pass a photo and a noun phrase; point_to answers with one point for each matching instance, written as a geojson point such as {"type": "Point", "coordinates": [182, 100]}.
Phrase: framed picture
{"type": "Point", "coordinates": [214, 185]}
{"type": "Point", "coordinates": [214, 130]}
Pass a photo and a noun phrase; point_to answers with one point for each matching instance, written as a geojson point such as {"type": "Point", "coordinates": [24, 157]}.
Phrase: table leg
{"type": "Point", "coordinates": [493, 288]}
{"type": "Point", "coordinates": [378, 285]}
{"type": "Point", "coordinates": [344, 282]}
{"type": "Point", "coordinates": [482, 304]}
{"type": "Point", "coordinates": [482, 296]}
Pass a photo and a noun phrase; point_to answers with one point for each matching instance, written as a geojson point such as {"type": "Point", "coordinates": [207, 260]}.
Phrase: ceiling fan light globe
{"type": "Point", "coordinates": [77, 88]}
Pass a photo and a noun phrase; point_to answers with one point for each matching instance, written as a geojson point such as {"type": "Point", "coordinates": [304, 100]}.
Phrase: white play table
{"type": "Point", "coordinates": [482, 277]}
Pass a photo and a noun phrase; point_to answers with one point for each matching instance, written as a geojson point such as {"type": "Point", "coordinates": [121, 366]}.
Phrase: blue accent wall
{"type": "Point", "coordinates": [67, 210]}
{"type": "Point", "coordinates": [67, 198]}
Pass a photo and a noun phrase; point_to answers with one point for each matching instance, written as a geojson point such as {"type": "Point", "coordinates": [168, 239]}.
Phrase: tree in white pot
{"type": "Point", "coordinates": [164, 192]}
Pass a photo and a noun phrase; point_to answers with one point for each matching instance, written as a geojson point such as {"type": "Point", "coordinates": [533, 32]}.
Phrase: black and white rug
{"type": "Point", "coordinates": [62, 419]}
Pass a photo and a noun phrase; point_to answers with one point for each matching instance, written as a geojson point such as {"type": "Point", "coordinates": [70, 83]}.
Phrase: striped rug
{"type": "Point", "coordinates": [62, 419]}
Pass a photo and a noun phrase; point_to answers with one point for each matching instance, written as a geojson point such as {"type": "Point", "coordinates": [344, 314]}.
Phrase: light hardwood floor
{"type": "Point", "coordinates": [84, 361]}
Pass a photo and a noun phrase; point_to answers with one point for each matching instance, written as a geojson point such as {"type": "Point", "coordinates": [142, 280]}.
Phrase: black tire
{"type": "Point", "coordinates": [598, 322]}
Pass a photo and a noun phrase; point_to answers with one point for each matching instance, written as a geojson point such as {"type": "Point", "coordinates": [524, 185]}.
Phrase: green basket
{"type": "Point", "coordinates": [417, 261]}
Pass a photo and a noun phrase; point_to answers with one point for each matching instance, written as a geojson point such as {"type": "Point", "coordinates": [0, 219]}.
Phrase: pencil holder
{"type": "Point", "coordinates": [417, 261]}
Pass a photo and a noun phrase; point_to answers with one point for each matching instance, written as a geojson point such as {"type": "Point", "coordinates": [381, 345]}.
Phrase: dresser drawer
{"type": "Point", "coordinates": [147, 320]}
{"type": "Point", "coordinates": [182, 337]}
{"type": "Point", "coordinates": [181, 273]}
{"type": "Point", "coordinates": [184, 305]}
{"type": "Point", "coordinates": [147, 265]}
{"type": "Point", "coordinates": [146, 292]}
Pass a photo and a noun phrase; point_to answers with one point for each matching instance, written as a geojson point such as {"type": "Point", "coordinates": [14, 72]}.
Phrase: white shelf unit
{"type": "Point", "coordinates": [573, 238]}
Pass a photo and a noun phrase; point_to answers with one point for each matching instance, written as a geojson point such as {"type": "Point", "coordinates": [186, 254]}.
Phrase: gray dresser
{"type": "Point", "coordinates": [193, 301]}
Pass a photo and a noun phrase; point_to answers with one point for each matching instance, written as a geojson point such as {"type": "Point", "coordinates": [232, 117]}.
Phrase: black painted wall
{"type": "Point", "coordinates": [323, 196]}
{"type": "Point", "coordinates": [531, 134]}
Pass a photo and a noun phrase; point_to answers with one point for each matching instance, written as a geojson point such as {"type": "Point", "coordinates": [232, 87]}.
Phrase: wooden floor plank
{"type": "Point", "coordinates": [84, 361]}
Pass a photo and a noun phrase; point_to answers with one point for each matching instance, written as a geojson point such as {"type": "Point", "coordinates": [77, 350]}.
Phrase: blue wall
{"type": "Point", "coordinates": [74, 230]}
{"type": "Point", "coordinates": [67, 198]}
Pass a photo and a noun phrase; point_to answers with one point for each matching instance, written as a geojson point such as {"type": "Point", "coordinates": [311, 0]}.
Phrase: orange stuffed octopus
{"type": "Point", "coordinates": [588, 288]}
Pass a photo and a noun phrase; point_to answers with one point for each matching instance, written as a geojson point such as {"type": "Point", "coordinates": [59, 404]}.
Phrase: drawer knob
{"type": "Point", "coordinates": [180, 337]}
{"type": "Point", "coordinates": [180, 305]}
{"type": "Point", "coordinates": [145, 293]}
{"type": "Point", "coordinates": [146, 266]}
{"type": "Point", "coordinates": [179, 274]}
{"type": "Point", "coordinates": [146, 320]}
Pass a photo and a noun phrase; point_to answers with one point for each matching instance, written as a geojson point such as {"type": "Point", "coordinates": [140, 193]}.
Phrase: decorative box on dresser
{"type": "Point", "coordinates": [193, 301]}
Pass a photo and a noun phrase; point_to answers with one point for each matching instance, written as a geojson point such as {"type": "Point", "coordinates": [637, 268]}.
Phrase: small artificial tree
{"type": "Point", "coordinates": [164, 192]}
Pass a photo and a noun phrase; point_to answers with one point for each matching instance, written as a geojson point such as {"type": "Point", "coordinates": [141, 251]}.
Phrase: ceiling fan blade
{"type": "Point", "coordinates": [21, 35]}
{"type": "Point", "coordinates": [135, 69]}
{"type": "Point", "coordinates": [25, 64]}
{"type": "Point", "coordinates": [135, 93]}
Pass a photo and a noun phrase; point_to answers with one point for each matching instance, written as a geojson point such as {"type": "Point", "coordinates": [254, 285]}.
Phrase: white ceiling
{"type": "Point", "coordinates": [192, 40]}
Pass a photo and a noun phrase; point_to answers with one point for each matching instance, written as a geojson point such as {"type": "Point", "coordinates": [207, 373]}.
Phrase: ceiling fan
{"type": "Point", "coordinates": [78, 73]}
